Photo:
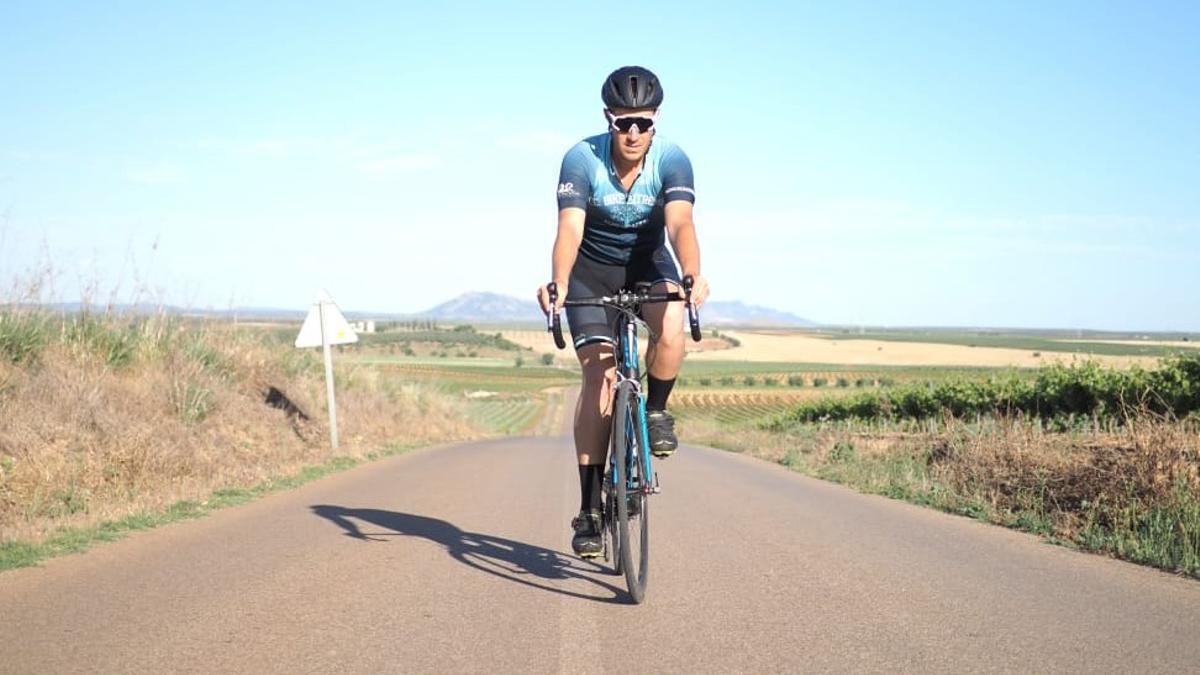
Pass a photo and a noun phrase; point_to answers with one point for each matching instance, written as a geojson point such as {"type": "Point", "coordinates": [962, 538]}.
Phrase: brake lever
{"type": "Point", "coordinates": [553, 324]}
{"type": "Point", "coordinates": [693, 313]}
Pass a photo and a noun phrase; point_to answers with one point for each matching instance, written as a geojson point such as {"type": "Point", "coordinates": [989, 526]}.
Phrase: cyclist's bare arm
{"type": "Point", "coordinates": [681, 229]}
{"type": "Point", "coordinates": [566, 249]}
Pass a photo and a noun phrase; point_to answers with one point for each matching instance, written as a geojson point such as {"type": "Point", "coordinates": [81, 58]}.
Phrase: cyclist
{"type": "Point", "coordinates": [619, 193]}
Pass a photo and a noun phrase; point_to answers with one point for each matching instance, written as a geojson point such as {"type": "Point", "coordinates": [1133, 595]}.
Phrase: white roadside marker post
{"type": "Point", "coordinates": [333, 440]}
{"type": "Point", "coordinates": [324, 327]}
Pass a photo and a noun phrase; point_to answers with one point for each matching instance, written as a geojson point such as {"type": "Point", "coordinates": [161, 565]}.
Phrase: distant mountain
{"type": "Point", "coordinates": [485, 307]}
{"type": "Point", "coordinates": [491, 307]}
{"type": "Point", "coordinates": [727, 313]}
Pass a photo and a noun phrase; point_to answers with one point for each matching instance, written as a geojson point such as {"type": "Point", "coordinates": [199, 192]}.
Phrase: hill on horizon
{"type": "Point", "coordinates": [497, 308]}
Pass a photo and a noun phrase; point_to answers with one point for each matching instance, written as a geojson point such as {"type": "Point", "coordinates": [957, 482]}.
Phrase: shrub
{"type": "Point", "coordinates": [820, 382]}
{"type": "Point", "coordinates": [23, 336]}
{"type": "Point", "coordinates": [705, 381]}
{"type": "Point", "coordinates": [547, 359]}
{"type": "Point", "coordinates": [843, 382]}
{"type": "Point", "coordinates": [795, 381]}
{"type": "Point", "coordinates": [843, 451]}
{"type": "Point", "coordinates": [1063, 394]}
{"type": "Point", "coordinates": [749, 381]}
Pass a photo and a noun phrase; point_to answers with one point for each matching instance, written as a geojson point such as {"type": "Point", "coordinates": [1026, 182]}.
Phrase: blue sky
{"type": "Point", "coordinates": [1022, 164]}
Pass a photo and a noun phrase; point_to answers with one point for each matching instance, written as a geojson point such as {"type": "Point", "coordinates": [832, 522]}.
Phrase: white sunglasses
{"type": "Point", "coordinates": [626, 123]}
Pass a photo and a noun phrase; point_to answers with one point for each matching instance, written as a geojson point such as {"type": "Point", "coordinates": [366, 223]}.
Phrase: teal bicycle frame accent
{"type": "Point", "coordinates": [628, 369]}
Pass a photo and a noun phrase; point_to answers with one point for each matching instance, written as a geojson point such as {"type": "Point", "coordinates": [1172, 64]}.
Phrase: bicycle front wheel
{"type": "Point", "coordinates": [632, 489]}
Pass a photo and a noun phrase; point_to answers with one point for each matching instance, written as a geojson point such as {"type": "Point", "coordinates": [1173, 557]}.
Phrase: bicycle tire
{"type": "Point", "coordinates": [612, 551]}
{"type": "Point", "coordinates": [633, 551]}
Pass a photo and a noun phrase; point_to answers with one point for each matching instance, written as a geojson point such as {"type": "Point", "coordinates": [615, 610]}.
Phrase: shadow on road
{"type": "Point", "coordinates": [512, 560]}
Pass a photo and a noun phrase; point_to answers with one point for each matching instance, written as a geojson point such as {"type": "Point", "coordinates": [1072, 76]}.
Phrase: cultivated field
{"type": "Point", "coordinates": [812, 348]}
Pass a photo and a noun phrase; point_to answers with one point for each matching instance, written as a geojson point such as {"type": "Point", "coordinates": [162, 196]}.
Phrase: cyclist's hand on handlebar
{"type": "Point", "coordinates": [699, 290]}
{"type": "Point", "coordinates": [543, 296]}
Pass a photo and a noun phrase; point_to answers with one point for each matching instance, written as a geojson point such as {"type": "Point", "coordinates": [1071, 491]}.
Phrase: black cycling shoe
{"type": "Point", "coordinates": [662, 433]}
{"type": "Point", "coordinates": [586, 541]}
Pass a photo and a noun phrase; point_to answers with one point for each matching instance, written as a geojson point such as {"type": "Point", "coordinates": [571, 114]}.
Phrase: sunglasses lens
{"type": "Point", "coordinates": [625, 124]}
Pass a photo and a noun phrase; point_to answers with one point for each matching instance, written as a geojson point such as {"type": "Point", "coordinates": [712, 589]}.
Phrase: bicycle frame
{"type": "Point", "coordinates": [627, 369]}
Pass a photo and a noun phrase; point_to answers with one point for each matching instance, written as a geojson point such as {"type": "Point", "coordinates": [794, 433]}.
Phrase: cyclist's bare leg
{"type": "Point", "coordinates": [665, 355]}
{"type": "Point", "coordinates": [593, 412]}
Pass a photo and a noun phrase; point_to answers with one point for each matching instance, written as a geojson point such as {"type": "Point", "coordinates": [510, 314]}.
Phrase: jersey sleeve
{"type": "Point", "coordinates": [574, 179]}
{"type": "Point", "coordinates": [677, 181]}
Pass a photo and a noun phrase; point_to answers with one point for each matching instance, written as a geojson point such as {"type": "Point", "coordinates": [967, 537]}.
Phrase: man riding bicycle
{"type": "Point", "coordinates": [619, 193]}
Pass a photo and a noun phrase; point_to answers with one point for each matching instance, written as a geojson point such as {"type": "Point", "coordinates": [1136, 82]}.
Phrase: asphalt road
{"type": "Point", "coordinates": [457, 559]}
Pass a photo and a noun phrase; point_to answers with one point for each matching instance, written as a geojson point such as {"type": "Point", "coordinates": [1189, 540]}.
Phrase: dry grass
{"type": "Point", "coordinates": [83, 440]}
{"type": "Point", "coordinates": [1072, 479]}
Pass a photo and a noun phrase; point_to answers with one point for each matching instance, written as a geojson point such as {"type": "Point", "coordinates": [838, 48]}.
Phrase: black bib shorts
{"type": "Point", "coordinates": [590, 279]}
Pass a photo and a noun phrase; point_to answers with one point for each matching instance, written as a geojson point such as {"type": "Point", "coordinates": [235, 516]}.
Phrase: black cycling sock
{"type": "Point", "coordinates": [656, 399]}
{"type": "Point", "coordinates": [590, 478]}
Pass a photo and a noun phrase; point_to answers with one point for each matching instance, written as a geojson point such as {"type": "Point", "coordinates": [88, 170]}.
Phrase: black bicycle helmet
{"type": "Point", "coordinates": [631, 87]}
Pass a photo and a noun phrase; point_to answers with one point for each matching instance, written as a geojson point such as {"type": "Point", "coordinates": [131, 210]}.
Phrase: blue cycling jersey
{"type": "Point", "coordinates": [623, 224]}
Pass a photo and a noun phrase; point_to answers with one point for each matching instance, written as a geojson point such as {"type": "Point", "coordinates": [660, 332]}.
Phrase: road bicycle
{"type": "Point", "coordinates": [631, 478]}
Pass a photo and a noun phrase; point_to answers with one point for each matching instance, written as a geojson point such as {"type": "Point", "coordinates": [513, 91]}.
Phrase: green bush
{"type": "Point", "coordinates": [24, 335]}
{"type": "Point", "coordinates": [795, 381]}
{"type": "Point", "coordinates": [843, 451]}
{"type": "Point", "coordinates": [705, 381]}
{"type": "Point", "coordinates": [1058, 392]}
{"type": "Point", "coordinates": [843, 382]}
{"type": "Point", "coordinates": [820, 382]}
{"type": "Point", "coordinates": [547, 359]}
{"type": "Point", "coordinates": [749, 381]}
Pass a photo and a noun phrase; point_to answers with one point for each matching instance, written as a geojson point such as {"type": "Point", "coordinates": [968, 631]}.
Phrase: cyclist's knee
{"type": "Point", "coordinates": [599, 375]}
{"type": "Point", "coordinates": [598, 365]}
{"type": "Point", "coordinates": [670, 332]}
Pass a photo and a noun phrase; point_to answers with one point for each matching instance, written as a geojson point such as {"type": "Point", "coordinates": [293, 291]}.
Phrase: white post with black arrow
{"type": "Point", "coordinates": [324, 327]}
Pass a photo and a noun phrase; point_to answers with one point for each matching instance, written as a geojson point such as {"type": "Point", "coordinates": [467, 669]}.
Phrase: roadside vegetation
{"type": "Point", "coordinates": [1102, 459]}
{"type": "Point", "coordinates": [1060, 394]}
{"type": "Point", "coordinates": [104, 416]}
